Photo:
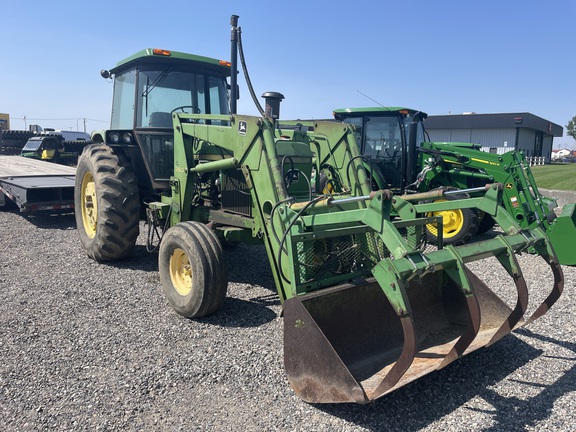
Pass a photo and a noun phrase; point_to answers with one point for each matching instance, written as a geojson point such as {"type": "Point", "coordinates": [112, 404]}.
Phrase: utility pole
{"type": "Point", "coordinates": [84, 120]}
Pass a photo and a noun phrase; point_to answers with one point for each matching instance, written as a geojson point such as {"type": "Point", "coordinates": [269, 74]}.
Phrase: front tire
{"type": "Point", "coordinates": [192, 269]}
{"type": "Point", "coordinates": [107, 204]}
{"type": "Point", "coordinates": [459, 226]}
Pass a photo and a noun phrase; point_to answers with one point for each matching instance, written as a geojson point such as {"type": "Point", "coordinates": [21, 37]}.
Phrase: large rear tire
{"type": "Point", "coordinates": [107, 204]}
{"type": "Point", "coordinates": [459, 226]}
{"type": "Point", "coordinates": [192, 269]}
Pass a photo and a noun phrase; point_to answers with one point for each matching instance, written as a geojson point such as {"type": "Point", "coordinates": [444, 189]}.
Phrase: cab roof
{"type": "Point", "coordinates": [161, 56]}
{"type": "Point", "coordinates": [347, 112]}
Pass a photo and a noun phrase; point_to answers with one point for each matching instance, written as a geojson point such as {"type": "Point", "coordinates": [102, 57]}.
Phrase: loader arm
{"type": "Point", "coordinates": [250, 146]}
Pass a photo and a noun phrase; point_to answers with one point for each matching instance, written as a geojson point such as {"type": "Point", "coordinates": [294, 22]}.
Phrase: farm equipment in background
{"type": "Point", "coordinates": [54, 148]}
{"type": "Point", "coordinates": [368, 305]}
{"type": "Point", "coordinates": [400, 158]}
{"type": "Point", "coordinates": [12, 141]}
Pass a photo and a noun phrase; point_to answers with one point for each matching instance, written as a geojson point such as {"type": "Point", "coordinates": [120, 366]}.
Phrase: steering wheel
{"type": "Point", "coordinates": [192, 108]}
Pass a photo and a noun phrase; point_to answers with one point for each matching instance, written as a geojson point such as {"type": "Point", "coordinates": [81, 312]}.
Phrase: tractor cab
{"type": "Point", "coordinates": [388, 138]}
{"type": "Point", "coordinates": [149, 87]}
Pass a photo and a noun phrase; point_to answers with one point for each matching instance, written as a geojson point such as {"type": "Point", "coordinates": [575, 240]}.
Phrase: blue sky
{"type": "Point", "coordinates": [437, 56]}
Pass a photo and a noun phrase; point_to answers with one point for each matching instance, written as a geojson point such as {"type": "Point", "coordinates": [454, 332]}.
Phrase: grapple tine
{"type": "Point", "coordinates": [553, 296]}
{"type": "Point", "coordinates": [547, 253]}
{"type": "Point", "coordinates": [459, 274]}
{"type": "Point", "coordinates": [402, 364]}
{"type": "Point", "coordinates": [395, 292]}
{"type": "Point", "coordinates": [469, 334]}
{"type": "Point", "coordinates": [510, 263]}
{"type": "Point", "coordinates": [518, 312]}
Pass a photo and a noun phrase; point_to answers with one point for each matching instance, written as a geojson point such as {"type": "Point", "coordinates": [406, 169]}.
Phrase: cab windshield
{"type": "Point", "coordinates": [160, 91]}
{"type": "Point", "coordinates": [384, 136]}
{"type": "Point", "coordinates": [384, 139]}
{"type": "Point", "coordinates": [32, 145]}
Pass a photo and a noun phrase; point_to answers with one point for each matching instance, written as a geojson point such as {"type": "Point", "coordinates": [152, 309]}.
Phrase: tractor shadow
{"type": "Point", "coordinates": [234, 312]}
{"type": "Point", "coordinates": [140, 259]}
{"type": "Point", "coordinates": [436, 395]}
{"type": "Point", "coordinates": [238, 313]}
{"type": "Point", "coordinates": [539, 407]}
{"type": "Point", "coordinates": [249, 265]}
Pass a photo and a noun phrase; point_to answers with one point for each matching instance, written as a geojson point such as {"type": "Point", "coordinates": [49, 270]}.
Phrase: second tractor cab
{"type": "Point", "coordinates": [388, 138]}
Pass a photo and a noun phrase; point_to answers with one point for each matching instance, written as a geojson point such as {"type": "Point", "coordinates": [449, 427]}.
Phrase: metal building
{"type": "Point", "coordinates": [497, 133]}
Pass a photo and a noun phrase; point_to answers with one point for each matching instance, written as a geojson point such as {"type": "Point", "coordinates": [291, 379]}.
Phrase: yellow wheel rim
{"type": "Point", "coordinates": [452, 222]}
{"type": "Point", "coordinates": [181, 272]}
{"type": "Point", "coordinates": [89, 205]}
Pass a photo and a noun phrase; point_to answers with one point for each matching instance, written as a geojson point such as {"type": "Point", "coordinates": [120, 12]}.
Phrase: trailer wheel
{"type": "Point", "coordinates": [192, 269]}
{"type": "Point", "coordinates": [458, 226]}
{"type": "Point", "coordinates": [107, 203]}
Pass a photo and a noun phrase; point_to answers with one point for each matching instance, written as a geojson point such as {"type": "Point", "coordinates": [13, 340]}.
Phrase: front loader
{"type": "Point", "coordinates": [396, 150]}
{"type": "Point", "coordinates": [368, 304]}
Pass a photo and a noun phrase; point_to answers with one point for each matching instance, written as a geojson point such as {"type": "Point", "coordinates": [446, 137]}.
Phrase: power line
{"type": "Point", "coordinates": [57, 119]}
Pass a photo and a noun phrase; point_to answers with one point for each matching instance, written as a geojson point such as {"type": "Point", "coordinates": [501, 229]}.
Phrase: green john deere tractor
{"type": "Point", "coordinates": [367, 305]}
{"type": "Point", "coordinates": [399, 157]}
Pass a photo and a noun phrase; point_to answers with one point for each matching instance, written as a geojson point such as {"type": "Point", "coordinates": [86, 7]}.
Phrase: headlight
{"type": "Point", "coordinates": [114, 137]}
{"type": "Point", "coordinates": [126, 137]}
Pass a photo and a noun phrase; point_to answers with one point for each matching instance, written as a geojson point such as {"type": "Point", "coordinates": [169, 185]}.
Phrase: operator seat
{"type": "Point", "coordinates": [160, 119]}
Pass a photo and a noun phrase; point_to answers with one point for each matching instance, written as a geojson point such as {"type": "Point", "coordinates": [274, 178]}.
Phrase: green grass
{"type": "Point", "coordinates": [555, 176]}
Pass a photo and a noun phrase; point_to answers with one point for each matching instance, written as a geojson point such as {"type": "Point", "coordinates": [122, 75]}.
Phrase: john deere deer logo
{"type": "Point", "coordinates": [242, 127]}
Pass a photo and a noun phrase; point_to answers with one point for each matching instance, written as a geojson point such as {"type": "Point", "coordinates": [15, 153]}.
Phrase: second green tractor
{"type": "Point", "coordinates": [399, 156]}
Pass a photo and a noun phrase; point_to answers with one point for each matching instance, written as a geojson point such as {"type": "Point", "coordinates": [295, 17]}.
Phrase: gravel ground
{"type": "Point", "coordinates": [88, 346]}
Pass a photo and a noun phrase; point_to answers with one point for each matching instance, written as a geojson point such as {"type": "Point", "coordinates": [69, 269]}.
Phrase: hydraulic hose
{"type": "Point", "coordinates": [245, 70]}
{"type": "Point", "coordinates": [235, 31]}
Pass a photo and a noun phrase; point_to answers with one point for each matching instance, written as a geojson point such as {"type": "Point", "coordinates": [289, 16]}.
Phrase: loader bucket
{"type": "Point", "coordinates": [562, 235]}
{"type": "Point", "coordinates": [349, 343]}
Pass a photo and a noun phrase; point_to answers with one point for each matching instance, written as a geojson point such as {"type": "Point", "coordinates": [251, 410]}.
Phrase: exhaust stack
{"type": "Point", "coordinates": [273, 100]}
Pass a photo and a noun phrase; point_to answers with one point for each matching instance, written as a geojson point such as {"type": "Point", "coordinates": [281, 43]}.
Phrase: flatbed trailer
{"type": "Point", "coordinates": [36, 185]}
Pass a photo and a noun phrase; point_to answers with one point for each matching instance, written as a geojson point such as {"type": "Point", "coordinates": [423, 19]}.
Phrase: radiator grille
{"type": "Point", "coordinates": [325, 258]}
{"type": "Point", "coordinates": [349, 256]}
{"type": "Point", "coordinates": [235, 195]}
